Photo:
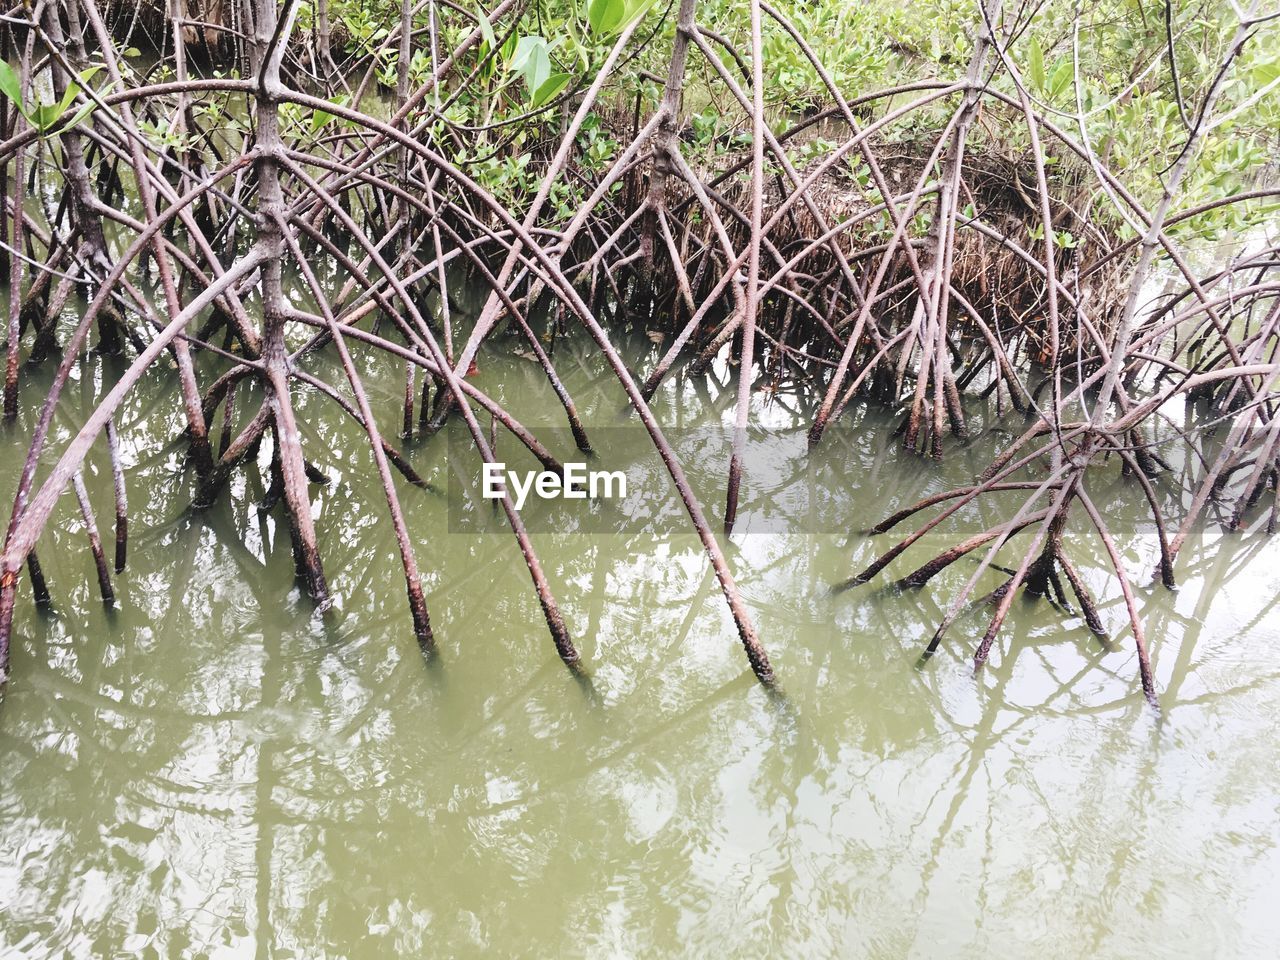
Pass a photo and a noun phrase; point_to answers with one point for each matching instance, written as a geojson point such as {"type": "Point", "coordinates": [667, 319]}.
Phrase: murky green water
{"type": "Point", "coordinates": [210, 772]}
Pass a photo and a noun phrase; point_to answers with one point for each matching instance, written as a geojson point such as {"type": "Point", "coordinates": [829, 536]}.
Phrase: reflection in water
{"type": "Point", "coordinates": [211, 771]}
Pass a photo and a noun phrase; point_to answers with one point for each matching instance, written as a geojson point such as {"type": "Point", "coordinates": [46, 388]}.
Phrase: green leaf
{"type": "Point", "coordinates": [606, 16]}
{"type": "Point", "coordinates": [635, 10]}
{"type": "Point", "coordinates": [10, 86]}
{"type": "Point", "coordinates": [83, 112]}
{"type": "Point", "coordinates": [68, 98]}
{"type": "Point", "coordinates": [1264, 73]}
{"type": "Point", "coordinates": [509, 47]}
{"type": "Point", "coordinates": [486, 30]}
{"type": "Point", "coordinates": [1035, 65]}
{"type": "Point", "coordinates": [322, 118]}
{"type": "Point", "coordinates": [520, 56]}
{"type": "Point", "coordinates": [1061, 78]}
{"type": "Point", "coordinates": [551, 89]}
{"type": "Point", "coordinates": [532, 60]}
{"type": "Point", "coordinates": [45, 116]}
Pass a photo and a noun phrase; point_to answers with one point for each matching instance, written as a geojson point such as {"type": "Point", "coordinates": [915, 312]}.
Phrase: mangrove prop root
{"type": "Point", "coordinates": [947, 277]}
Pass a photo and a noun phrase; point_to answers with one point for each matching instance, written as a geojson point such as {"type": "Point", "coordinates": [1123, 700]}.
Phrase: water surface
{"type": "Point", "coordinates": [211, 771]}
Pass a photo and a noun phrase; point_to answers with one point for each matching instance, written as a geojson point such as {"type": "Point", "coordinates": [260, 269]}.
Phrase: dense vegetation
{"type": "Point", "coordinates": [934, 205]}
